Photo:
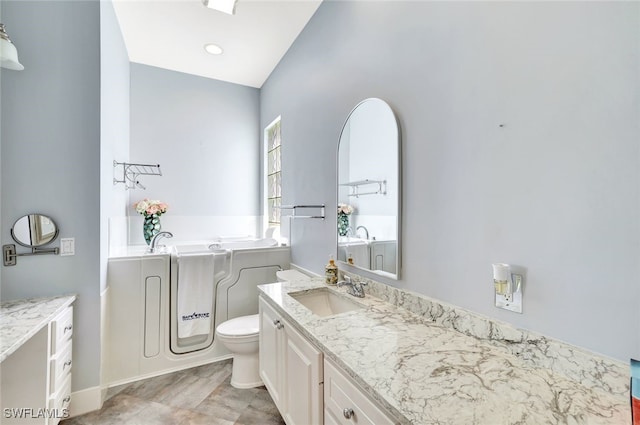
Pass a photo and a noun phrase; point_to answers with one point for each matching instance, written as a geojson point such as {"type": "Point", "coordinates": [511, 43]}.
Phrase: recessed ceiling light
{"type": "Point", "coordinates": [214, 49]}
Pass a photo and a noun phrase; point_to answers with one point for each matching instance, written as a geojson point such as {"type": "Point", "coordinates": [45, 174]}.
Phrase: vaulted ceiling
{"type": "Point", "coordinates": [171, 34]}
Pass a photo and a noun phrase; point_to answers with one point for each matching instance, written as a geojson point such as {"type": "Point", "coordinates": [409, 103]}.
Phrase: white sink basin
{"type": "Point", "coordinates": [323, 302]}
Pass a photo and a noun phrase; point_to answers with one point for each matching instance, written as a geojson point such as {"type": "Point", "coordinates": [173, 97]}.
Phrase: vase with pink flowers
{"type": "Point", "coordinates": [151, 210]}
{"type": "Point", "coordinates": [344, 211]}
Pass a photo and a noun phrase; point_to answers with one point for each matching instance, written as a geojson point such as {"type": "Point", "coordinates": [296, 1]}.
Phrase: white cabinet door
{"type": "Point", "coordinates": [271, 353]}
{"type": "Point", "coordinates": [303, 382]}
{"type": "Point", "coordinates": [291, 369]}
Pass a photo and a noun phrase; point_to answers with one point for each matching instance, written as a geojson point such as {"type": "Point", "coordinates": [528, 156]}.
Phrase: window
{"type": "Point", "coordinates": [273, 174]}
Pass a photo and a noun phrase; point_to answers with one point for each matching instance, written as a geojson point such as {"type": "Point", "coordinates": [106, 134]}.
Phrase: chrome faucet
{"type": "Point", "coordinates": [154, 240]}
{"type": "Point", "coordinates": [354, 288]}
{"type": "Point", "coordinates": [366, 232]}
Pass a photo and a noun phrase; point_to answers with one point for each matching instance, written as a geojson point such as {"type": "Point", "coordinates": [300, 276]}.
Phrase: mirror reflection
{"type": "Point", "coordinates": [34, 230]}
{"type": "Point", "coordinates": [369, 189]}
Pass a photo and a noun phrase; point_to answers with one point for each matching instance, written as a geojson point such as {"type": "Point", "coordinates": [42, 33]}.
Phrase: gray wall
{"type": "Point", "coordinates": [555, 190]}
{"type": "Point", "coordinates": [51, 156]}
{"type": "Point", "coordinates": [114, 127]}
{"type": "Point", "coordinates": [205, 135]}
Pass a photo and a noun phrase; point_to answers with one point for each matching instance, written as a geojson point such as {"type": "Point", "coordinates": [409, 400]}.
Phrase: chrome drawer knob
{"type": "Point", "coordinates": [67, 328]}
{"type": "Point", "coordinates": [67, 399]}
{"type": "Point", "coordinates": [348, 413]}
{"type": "Point", "coordinates": [67, 363]}
{"type": "Point", "coordinates": [278, 324]}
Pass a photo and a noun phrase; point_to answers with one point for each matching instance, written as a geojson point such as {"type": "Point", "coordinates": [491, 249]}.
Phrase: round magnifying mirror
{"type": "Point", "coordinates": [34, 230]}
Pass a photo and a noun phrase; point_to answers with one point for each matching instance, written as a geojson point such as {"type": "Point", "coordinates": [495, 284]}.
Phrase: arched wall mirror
{"type": "Point", "coordinates": [369, 189]}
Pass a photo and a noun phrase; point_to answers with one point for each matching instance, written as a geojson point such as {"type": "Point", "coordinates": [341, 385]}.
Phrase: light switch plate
{"type": "Point", "coordinates": [68, 246]}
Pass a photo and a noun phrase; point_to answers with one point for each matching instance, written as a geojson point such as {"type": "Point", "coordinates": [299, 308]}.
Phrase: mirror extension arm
{"type": "Point", "coordinates": [9, 255]}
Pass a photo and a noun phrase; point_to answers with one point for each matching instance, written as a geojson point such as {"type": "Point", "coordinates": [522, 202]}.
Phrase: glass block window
{"type": "Point", "coordinates": [273, 171]}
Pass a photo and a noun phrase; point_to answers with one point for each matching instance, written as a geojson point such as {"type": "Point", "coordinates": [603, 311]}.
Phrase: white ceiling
{"type": "Point", "coordinates": [171, 34]}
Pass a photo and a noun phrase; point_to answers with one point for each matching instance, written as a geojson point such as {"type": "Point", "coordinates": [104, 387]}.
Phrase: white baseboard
{"type": "Point", "coordinates": [85, 401]}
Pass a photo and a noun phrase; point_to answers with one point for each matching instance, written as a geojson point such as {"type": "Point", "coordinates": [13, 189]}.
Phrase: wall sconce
{"type": "Point", "coordinates": [508, 288]}
{"type": "Point", "coordinates": [226, 6]}
{"type": "Point", "coordinates": [8, 52]}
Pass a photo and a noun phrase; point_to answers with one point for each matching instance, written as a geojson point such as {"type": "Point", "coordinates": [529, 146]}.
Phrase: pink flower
{"type": "Point", "coordinates": [150, 207]}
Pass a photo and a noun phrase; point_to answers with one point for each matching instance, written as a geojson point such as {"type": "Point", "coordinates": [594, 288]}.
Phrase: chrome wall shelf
{"type": "Point", "coordinates": [355, 187]}
{"type": "Point", "coordinates": [130, 173]}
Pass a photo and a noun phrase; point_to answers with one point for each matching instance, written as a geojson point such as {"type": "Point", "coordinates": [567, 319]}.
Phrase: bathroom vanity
{"type": "Point", "coordinates": [399, 357]}
{"type": "Point", "coordinates": [36, 356]}
{"type": "Point", "coordinates": [307, 388]}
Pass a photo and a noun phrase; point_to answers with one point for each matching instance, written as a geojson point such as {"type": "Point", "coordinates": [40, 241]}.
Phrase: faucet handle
{"type": "Point", "coordinates": [346, 280]}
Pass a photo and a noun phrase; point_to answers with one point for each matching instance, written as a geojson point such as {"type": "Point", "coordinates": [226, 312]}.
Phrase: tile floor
{"type": "Point", "coordinates": [201, 395]}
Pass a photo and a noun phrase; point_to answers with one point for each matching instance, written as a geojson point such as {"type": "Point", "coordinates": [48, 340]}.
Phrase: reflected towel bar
{"type": "Point", "coordinates": [296, 207]}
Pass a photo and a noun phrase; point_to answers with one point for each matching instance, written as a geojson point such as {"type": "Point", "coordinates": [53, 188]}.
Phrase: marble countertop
{"type": "Point", "coordinates": [426, 372]}
{"type": "Point", "coordinates": [22, 319]}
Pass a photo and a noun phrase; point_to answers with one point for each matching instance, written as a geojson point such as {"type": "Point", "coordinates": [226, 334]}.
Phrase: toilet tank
{"type": "Point", "coordinates": [290, 275]}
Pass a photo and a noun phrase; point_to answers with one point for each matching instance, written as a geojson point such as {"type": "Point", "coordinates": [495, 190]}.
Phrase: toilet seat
{"type": "Point", "coordinates": [240, 327]}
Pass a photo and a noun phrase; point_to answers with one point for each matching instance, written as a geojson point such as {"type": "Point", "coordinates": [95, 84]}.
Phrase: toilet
{"type": "Point", "coordinates": [240, 336]}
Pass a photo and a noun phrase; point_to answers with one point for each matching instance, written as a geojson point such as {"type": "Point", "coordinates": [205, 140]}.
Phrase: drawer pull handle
{"type": "Point", "coordinates": [278, 324]}
{"type": "Point", "coordinates": [67, 363]}
{"type": "Point", "coordinates": [348, 413]}
{"type": "Point", "coordinates": [67, 328]}
{"type": "Point", "coordinates": [67, 399]}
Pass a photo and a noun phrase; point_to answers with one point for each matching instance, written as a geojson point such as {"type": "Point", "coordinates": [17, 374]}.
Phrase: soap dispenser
{"type": "Point", "coordinates": [331, 272]}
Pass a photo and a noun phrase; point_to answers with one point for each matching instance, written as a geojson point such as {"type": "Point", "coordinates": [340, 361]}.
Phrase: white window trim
{"type": "Point", "coordinates": [265, 172]}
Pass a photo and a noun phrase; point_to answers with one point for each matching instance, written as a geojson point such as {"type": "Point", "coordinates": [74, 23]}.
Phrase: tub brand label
{"type": "Point", "coordinates": [195, 316]}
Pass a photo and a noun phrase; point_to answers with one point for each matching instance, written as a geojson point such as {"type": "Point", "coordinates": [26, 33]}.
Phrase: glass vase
{"type": "Point", "coordinates": [343, 224]}
{"type": "Point", "coordinates": [151, 227]}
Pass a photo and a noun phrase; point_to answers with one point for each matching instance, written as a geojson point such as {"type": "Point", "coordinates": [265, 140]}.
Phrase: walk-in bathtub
{"type": "Point", "coordinates": [140, 328]}
{"type": "Point", "coordinates": [239, 267]}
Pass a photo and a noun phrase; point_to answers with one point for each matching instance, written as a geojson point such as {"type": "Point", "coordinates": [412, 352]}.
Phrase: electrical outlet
{"type": "Point", "coordinates": [68, 246]}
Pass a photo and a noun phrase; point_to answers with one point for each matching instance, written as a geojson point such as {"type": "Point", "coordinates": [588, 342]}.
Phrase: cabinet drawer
{"type": "Point", "coordinates": [345, 403]}
{"type": "Point", "coordinates": [61, 367]}
{"type": "Point", "coordinates": [62, 329]}
{"type": "Point", "coordinates": [59, 402]}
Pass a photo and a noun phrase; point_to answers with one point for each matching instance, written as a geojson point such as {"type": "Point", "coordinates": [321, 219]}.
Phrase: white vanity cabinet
{"type": "Point", "coordinates": [291, 369]}
{"type": "Point", "coordinates": [60, 362]}
{"type": "Point", "coordinates": [36, 377]}
{"type": "Point", "coordinates": [346, 404]}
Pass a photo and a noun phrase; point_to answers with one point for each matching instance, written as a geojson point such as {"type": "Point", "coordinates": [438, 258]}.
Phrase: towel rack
{"type": "Point", "coordinates": [130, 173]}
{"type": "Point", "coordinates": [297, 207]}
{"type": "Point", "coordinates": [355, 187]}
